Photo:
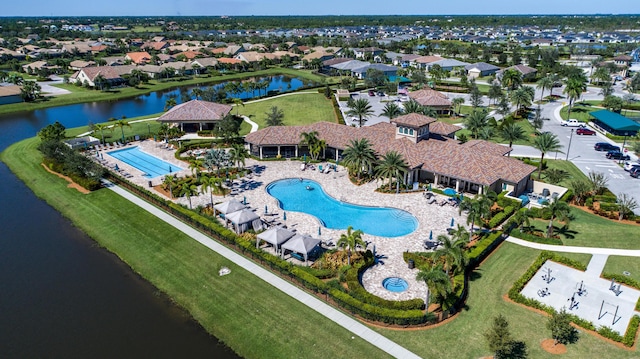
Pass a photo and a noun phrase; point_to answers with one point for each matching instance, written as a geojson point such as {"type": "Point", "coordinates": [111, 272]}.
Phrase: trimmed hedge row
{"type": "Point", "coordinates": [515, 295]}
{"type": "Point", "coordinates": [385, 315]}
{"type": "Point", "coordinates": [567, 196]}
{"type": "Point", "coordinates": [501, 216]}
{"type": "Point", "coordinates": [504, 202]}
{"type": "Point", "coordinates": [536, 239]}
{"type": "Point", "coordinates": [483, 247]}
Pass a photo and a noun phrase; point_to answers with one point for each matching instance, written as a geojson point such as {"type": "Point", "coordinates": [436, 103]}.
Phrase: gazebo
{"type": "Point", "coordinates": [302, 244]}
{"type": "Point", "coordinates": [229, 206]}
{"type": "Point", "coordinates": [242, 218]}
{"type": "Point", "coordinates": [275, 236]}
{"type": "Point", "coordinates": [195, 115]}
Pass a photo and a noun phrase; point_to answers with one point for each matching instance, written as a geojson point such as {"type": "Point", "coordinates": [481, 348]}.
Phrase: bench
{"type": "Point", "coordinates": [297, 256]}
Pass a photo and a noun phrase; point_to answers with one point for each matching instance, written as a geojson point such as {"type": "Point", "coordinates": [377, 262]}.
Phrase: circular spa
{"type": "Point", "coordinates": [395, 284]}
{"type": "Point", "coordinates": [307, 196]}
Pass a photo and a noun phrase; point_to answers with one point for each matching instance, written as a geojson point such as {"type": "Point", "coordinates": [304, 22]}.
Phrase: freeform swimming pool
{"type": "Point", "coordinates": [151, 166]}
{"type": "Point", "coordinates": [293, 195]}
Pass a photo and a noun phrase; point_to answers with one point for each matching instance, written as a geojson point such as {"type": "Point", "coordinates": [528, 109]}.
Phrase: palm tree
{"type": "Point", "coordinates": [392, 110]}
{"type": "Point", "coordinates": [456, 103]}
{"type": "Point", "coordinates": [574, 89]}
{"type": "Point", "coordinates": [495, 92]}
{"type": "Point", "coordinates": [197, 93]}
{"type": "Point", "coordinates": [171, 102]}
{"type": "Point", "coordinates": [478, 209]}
{"type": "Point", "coordinates": [168, 183]}
{"type": "Point", "coordinates": [99, 81]}
{"type": "Point", "coordinates": [350, 241]}
{"type": "Point", "coordinates": [361, 109]}
{"type": "Point", "coordinates": [237, 103]}
{"type": "Point", "coordinates": [188, 190]}
{"type": "Point", "coordinates": [195, 165]}
{"type": "Point", "coordinates": [556, 209]}
{"type": "Point", "coordinates": [392, 164]}
{"type": "Point", "coordinates": [546, 142]}
{"type": "Point", "coordinates": [522, 97]}
{"type": "Point", "coordinates": [275, 116]}
{"type": "Point", "coordinates": [412, 106]}
{"type": "Point", "coordinates": [359, 156]}
{"type": "Point", "coordinates": [460, 233]}
{"type": "Point", "coordinates": [437, 281]}
{"type": "Point", "coordinates": [312, 141]}
{"type": "Point", "coordinates": [238, 154]}
{"type": "Point", "coordinates": [511, 79]}
{"type": "Point", "coordinates": [316, 147]}
{"type": "Point", "coordinates": [101, 127]}
{"type": "Point", "coordinates": [453, 254]}
{"type": "Point", "coordinates": [211, 184]}
{"type": "Point", "coordinates": [122, 124]}
{"type": "Point", "coordinates": [512, 132]}
{"type": "Point", "coordinates": [601, 75]}
{"type": "Point", "coordinates": [545, 83]}
{"type": "Point", "coordinates": [476, 121]}
{"type": "Point", "coordinates": [522, 218]}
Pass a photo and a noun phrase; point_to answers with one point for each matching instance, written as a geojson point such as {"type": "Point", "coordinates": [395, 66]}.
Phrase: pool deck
{"type": "Point", "coordinates": [432, 217]}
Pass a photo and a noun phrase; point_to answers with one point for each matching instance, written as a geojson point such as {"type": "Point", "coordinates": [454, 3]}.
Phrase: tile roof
{"type": "Point", "coordinates": [11, 90]}
{"type": "Point", "coordinates": [413, 120]}
{"type": "Point", "coordinates": [442, 128]}
{"type": "Point", "coordinates": [196, 110]}
{"type": "Point", "coordinates": [429, 97]}
{"type": "Point", "coordinates": [140, 57]}
{"type": "Point", "coordinates": [475, 161]}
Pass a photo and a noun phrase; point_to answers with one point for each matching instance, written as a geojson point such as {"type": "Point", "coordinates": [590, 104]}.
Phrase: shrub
{"type": "Point", "coordinates": [567, 196]}
{"type": "Point", "coordinates": [533, 238]}
{"type": "Point", "coordinates": [606, 198]}
{"type": "Point", "coordinates": [483, 247]}
{"type": "Point", "coordinates": [391, 316]}
{"type": "Point", "coordinates": [589, 203]}
{"type": "Point", "coordinates": [501, 216]}
{"type": "Point", "coordinates": [506, 202]}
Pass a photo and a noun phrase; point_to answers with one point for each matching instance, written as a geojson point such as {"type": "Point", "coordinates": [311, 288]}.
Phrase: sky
{"type": "Point", "coordinates": [311, 7]}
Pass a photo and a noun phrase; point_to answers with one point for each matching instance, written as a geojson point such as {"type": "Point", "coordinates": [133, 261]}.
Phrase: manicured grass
{"type": "Point", "coordinates": [618, 264]}
{"type": "Point", "coordinates": [462, 337]}
{"type": "Point", "coordinates": [115, 133]}
{"type": "Point", "coordinates": [573, 171]}
{"type": "Point", "coordinates": [589, 230]}
{"type": "Point", "coordinates": [85, 95]}
{"type": "Point", "coordinates": [250, 316]}
{"type": "Point", "coordinates": [298, 108]}
{"type": "Point", "coordinates": [579, 111]}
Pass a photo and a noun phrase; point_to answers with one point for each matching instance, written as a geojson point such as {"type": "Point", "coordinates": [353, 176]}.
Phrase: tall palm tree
{"type": "Point", "coordinates": [171, 102]}
{"type": "Point", "coordinates": [453, 254]}
{"type": "Point", "coordinates": [100, 81]}
{"type": "Point", "coordinates": [412, 106]}
{"type": "Point", "coordinates": [361, 109]}
{"type": "Point", "coordinates": [437, 281]}
{"type": "Point", "coordinates": [237, 103]}
{"type": "Point", "coordinates": [168, 183]}
{"type": "Point", "coordinates": [557, 209]}
{"type": "Point", "coordinates": [122, 124]}
{"type": "Point", "coordinates": [522, 218]}
{"type": "Point", "coordinates": [316, 148]}
{"type": "Point", "coordinates": [188, 190]}
{"type": "Point", "coordinates": [238, 154]}
{"type": "Point", "coordinates": [311, 140]}
{"type": "Point", "coordinates": [392, 110]}
{"type": "Point", "coordinates": [460, 233]}
{"type": "Point", "coordinates": [359, 156]}
{"type": "Point", "coordinates": [574, 89]}
{"type": "Point", "coordinates": [392, 164]}
{"type": "Point", "coordinates": [195, 165]}
{"type": "Point", "coordinates": [476, 121]}
{"type": "Point", "coordinates": [478, 209]}
{"type": "Point", "coordinates": [546, 142]}
{"type": "Point", "coordinates": [101, 127]}
{"type": "Point", "coordinates": [456, 103]}
{"type": "Point", "coordinates": [512, 132]}
{"type": "Point", "coordinates": [211, 184]}
{"type": "Point", "coordinates": [545, 83]}
{"type": "Point", "coordinates": [511, 79]}
{"type": "Point", "coordinates": [522, 97]}
{"type": "Point", "coordinates": [350, 241]}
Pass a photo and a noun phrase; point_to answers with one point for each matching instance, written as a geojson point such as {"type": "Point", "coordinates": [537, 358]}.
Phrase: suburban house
{"type": "Point", "coordinates": [81, 64]}
{"type": "Point", "coordinates": [361, 72]}
{"type": "Point", "coordinates": [447, 64]}
{"type": "Point", "coordinates": [432, 98]}
{"type": "Point", "coordinates": [10, 94]}
{"type": "Point", "coordinates": [155, 45]}
{"type": "Point", "coordinates": [367, 52]}
{"type": "Point", "coordinates": [475, 166]}
{"type": "Point", "coordinates": [528, 73]}
{"type": "Point", "coordinates": [622, 63]}
{"type": "Point", "coordinates": [233, 50]}
{"type": "Point", "coordinates": [480, 69]}
{"type": "Point", "coordinates": [138, 58]}
{"type": "Point", "coordinates": [204, 63]}
{"type": "Point", "coordinates": [195, 115]}
{"type": "Point", "coordinates": [112, 75]}
{"type": "Point", "coordinates": [422, 61]}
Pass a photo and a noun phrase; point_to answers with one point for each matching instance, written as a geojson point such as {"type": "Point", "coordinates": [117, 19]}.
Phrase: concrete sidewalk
{"type": "Point", "coordinates": [311, 301]}
{"type": "Point", "coordinates": [571, 249]}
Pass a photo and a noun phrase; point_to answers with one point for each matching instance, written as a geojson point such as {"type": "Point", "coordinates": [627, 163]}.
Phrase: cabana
{"type": "Point", "coordinates": [228, 207]}
{"type": "Point", "coordinates": [615, 123]}
{"type": "Point", "coordinates": [275, 236]}
{"type": "Point", "coordinates": [302, 244]}
{"type": "Point", "coordinates": [242, 218]}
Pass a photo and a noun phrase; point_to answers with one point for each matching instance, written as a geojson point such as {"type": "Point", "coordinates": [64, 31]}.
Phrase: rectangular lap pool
{"type": "Point", "coordinates": [151, 166]}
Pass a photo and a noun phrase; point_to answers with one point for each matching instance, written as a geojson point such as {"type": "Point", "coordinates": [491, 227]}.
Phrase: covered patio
{"type": "Point", "coordinates": [300, 246]}
{"type": "Point", "coordinates": [195, 115]}
{"type": "Point", "coordinates": [275, 236]}
{"type": "Point", "coordinates": [243, 220]}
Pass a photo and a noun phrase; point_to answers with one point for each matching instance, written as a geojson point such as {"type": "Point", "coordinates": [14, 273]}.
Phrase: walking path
{"type": "Point", "coordinates": [597, 263]}
{"type": "Point", "coordinates": [311, 301]}
{"type": "Point", "coordinates": [571, 249]}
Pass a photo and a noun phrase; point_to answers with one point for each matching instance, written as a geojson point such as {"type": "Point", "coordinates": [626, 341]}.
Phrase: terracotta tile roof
{"type": "Point", "coordinates": [197, 111]}
{"type": "Point", "coordinates": [427, 59]}
{"type": "Point", "coordinates": [226, 60]}
{"type": "Point", "coordinates": [429, 97]}
{"type": "Point", "coordinates": [11, 90]}
{"type": "Point", "coordinates": [141, 57]}
{"type": "Point", "coordinates": [413, 120]}
{"type": "Point", "coordinates": [442, 128]}
{"type": "Point", "coordinates": [154, 45]}
{"type": "Point", "coordinates": [108, 72]}
{"type": "Point", "coordinates": [190, 54]}
{"type": "Point", "coordinates": [475, 161]}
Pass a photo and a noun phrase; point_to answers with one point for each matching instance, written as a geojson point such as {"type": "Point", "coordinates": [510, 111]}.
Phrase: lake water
{"type": "Point", "coordinates": [61, 296]}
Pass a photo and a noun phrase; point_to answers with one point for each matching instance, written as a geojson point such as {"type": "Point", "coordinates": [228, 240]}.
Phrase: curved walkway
{"type": "Point", "coordinates": [311, 301]}
{"type": "Point", "coordinates": [572, 249]}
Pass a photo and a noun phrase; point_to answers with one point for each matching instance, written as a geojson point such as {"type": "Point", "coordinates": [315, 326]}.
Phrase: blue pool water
{"type": "Point", "coordinates": [293, 195]}
{"type": "Point", "coordinates": [395, 284]}
{"type": "Point", "coordinates": [152, 166]}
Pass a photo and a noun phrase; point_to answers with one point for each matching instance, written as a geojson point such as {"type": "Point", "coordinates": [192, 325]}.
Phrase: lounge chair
{"type": "Point", "coordinates": [432, 200]}
{"type": "Point", "coordinates": [303, 166]}
{"type": "Point", "coordinates": [320, 168]}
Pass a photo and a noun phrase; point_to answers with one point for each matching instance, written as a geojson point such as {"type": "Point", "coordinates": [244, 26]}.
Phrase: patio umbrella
{"type": "Point", "coordinates": [266, 210]}
{"type": "Point", "coordinates": [101, 157]}
{"type": "Point", "coordinates": [244, 200]}
{"type": "Point", "coordinates": [319, 231]}
{"type": "Point", "coordinates": [452, 221]}
{"type": "Point", "coordinates": [430, 235]}
{"type": "Point", "coordinates": [170, 169]}
{"type": "Point", "coordinates": [284, 216]}
{"type": "Point", "coordinates": [116, 167]}
{"type": "Point", "coordinates": [304, 158]}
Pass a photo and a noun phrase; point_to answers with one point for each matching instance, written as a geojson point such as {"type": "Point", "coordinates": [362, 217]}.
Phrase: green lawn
{"type": "Point", "coordinates": [618, 265]}
{"type": "Point", "coordinates": [579, 111]}
{"type": "Point", "coordinates": [574, 172]}
{"type": "Point", "coordinates": [299, 109]}
{"type": "Point", "coordinates": [589, 230]}
{"type": "Point", "coordinates": [250, 316]}
{"type": "Point", "coordinates": [115, 134]}
{"type": "Point", "coordinates": [258, 321]}
{"type": "Point", "coordinates": [462, 337]}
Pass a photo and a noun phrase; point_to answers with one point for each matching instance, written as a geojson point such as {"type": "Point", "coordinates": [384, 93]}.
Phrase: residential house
{"type": "Point", "coordinates": [480, 69]}
{"type": "Point", "coordinates": [432, 98]}
{"type": "Point", "coordinates": [112, 75]}
{"type": "Point", "coordinates": [361, 72]}
{"type": "Point", "coordinates": [204, 64]}
{"type": "Point", "coordinates": [138, 58]}
{"type": "Point", "coordinates": [80, 64]}
{"type": "Point", "coordinates": [423, 61]}
{"type": "Point", "coordinates": [622, 62]}
{"type": "Point", "coordinates": [233, 50]}
{"type": "Point", "coordinates": [367, 52]}
{"type": "Point", "coordinates": [528, 73]}
{"type": "Point", "coordinates": [154, 46]}
{"type": "Point", "coordinates": [10, 94]}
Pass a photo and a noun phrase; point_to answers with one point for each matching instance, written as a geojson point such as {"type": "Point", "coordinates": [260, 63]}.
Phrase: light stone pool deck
{"type": "Point", "coordinates": [391, 264]}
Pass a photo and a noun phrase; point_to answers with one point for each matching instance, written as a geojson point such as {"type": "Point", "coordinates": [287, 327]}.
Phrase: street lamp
{"type": "Point", "coordinates": [569, 147]}
{"type": "Point", "coordinates": [624, 142]}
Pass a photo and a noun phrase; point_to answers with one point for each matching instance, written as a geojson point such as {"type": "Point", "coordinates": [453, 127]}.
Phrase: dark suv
{"type": "Point", "coordinates": [617, 155]}
{"type": "Point", "coordinates": [635, 172]}
{"type": "Point", "coordinates": [605, 146]}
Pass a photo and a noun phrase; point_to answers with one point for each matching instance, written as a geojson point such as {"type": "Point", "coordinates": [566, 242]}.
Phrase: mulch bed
{"type": "Point", "coordinates": [549, 346]}
{"type": "Point", "coordinates": [71, 183]}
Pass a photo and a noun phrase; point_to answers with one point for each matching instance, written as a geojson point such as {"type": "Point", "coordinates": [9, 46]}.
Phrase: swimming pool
{"type": "Point", "coordinates": [293, 195]}
{"type": "Point", "coordinates": [151, 166]}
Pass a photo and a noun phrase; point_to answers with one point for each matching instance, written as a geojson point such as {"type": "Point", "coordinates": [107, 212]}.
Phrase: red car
{"type": "Point", "coordinates": [585, 131]}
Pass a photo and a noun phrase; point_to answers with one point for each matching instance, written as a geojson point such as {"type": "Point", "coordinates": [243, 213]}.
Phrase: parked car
{"type": "Point", "coordinates": [381, 94]}
{"type": "Point", "coordinates": [617, 155]}
{"type": "Point", "coordinates": [372, 93]}
{"type": "Point", "coordinates": [572, 122]}
{"type": "Point", "coordinates": [605, 146]}
{"type": "Point", "coordinates": [585, 131]}
{"type": "Point", "coordinates": [628, 166]}
{"type": "Point", "coordinates": [635, 172]}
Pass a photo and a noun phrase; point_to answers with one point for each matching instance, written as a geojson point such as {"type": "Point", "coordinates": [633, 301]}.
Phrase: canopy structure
{"type": "Point", "coordinates": [242, 218]}
{"type": "Point", "coordinates": [615, 123]}
{"type": "Point", "coordinates": [276, 236]}
{"type": "Point", "coordinates": [229, 206]}
{"type": "Point", "coordinates": [302, 244]}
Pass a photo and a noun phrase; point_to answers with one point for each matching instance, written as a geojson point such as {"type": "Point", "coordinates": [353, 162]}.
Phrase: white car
{"type": "Point", "coordinates": [629, 165]}
{"type": "Point", "coordinates": [572, 122]}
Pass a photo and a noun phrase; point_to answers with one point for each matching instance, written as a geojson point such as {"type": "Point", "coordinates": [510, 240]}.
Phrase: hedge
{"type": "Point", "coordinates": [385, 315]}
{"type": "Point", "coordinates": [533, 238]}
{"type": "Point", "coordinates": [567, 196]}
{"type": "Point", "coordinates": [483, 247]}
{"type": "Point", "coordinates": [609, 207]}
{"type": "Point", "coordinates": [605, 198]}
{"type": "Point", "coordinates": [501, 216]}
{"type": "Point", "coordinates": [514, 294]}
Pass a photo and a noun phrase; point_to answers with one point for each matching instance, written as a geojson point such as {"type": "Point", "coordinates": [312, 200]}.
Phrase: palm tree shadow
{"type": "Point", "coordinates": [379, 258]}
{"type": "Point", "coordinates": [475, 275]}
{"type": "Point", "coordinates": [565, 232]}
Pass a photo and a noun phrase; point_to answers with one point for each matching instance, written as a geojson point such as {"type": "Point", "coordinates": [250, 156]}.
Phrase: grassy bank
{"type": "Point", "coordinates": [250, 316]}
{"type": "Point", "coordinates": [81, 95]}
{"type": "Point", "coordinates": [298, 109]}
